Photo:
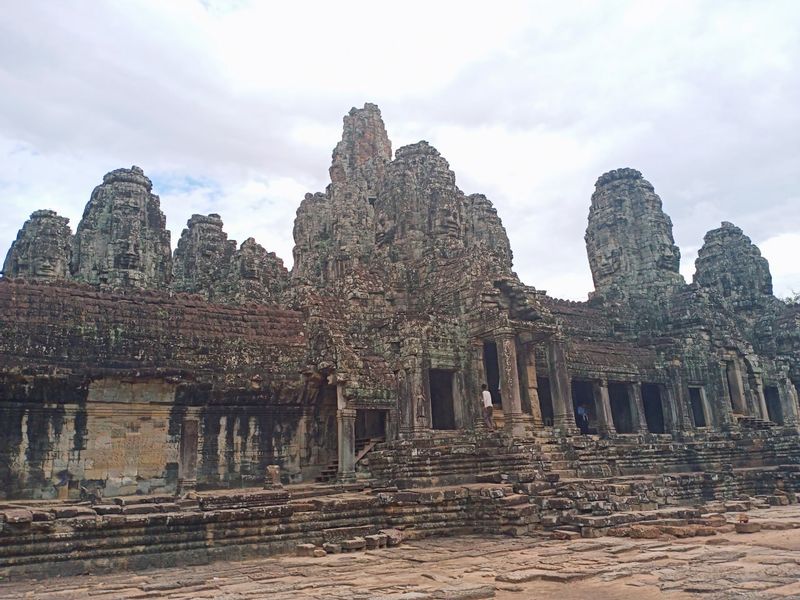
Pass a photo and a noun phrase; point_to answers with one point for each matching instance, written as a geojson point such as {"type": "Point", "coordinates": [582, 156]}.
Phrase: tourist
{"type": "Point", "coordinates": [582, 415]}
{"type": "Point", "coordinates": [486, 396]}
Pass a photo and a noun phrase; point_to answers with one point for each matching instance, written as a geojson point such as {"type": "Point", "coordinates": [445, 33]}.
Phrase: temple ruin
{"type": "Point", "coordinates": [136, 383]}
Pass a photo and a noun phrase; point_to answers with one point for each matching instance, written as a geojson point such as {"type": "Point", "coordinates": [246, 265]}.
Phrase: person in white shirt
{"type": "Point", "coordinates": [486, 396]}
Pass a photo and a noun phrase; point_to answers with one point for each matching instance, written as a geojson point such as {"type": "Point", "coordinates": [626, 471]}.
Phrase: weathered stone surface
{"type": "Point", "coordinates": [203, 256]}
{"type": "Point", "coordinates": [629, 238]}
{"type": "Point", "coordinates": [122, 240]}
{"type": "Point", "coordinates": [42, 250]}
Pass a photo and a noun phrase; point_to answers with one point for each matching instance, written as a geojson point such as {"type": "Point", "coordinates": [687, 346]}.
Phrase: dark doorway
{"type": "Point", "coordinates": [583, 396]}
{"type": "Point", "coordinates": [698, 412]}
{"type": "Point", "coordinates": [370, 424]}
{"type": "Point", "coordinates": [774, 408]}
{"type": "Point", "coordinates": [442, 414]}
{"type": "Point", "coordinates": [545, 400]}
{"type": "Point", "coordinates": [492, 367]}
{"type": "Point", "coordinates": [653, 409]}
{"type": "Point", "coordinates": [620, 407]}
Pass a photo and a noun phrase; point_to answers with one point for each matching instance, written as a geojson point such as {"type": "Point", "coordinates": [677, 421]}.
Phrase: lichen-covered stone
{"type": "Point", "coordinates": [629, 238]}
{"type": "Point", "coordinates": [42, 250]}
{"type": "Point", "coordinates": [203, 256]}
{"type": "Point", "coordinates": [732, 265]}
{"type": "Point", "coordinates": [122, 240]}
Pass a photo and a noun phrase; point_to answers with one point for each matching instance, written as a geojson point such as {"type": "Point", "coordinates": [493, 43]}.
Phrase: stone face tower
{"type": "Point", "coordinates": [732, 265]}
{"type": "Point", "coordinates": [202, 256]}
{"type": "Point", "coordinates": [122, 240]}
{"type": "Point", "coordinates": [629, 238]}
{"type": "Point", "coordinates": [333, 232]}
{"type": "Point", "coordinates": [42, 250]}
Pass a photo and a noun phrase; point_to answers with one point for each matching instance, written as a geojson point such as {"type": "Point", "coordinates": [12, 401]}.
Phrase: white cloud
{"type": "Point", "coordinates": [234, 107]}
{"type": "Point", "coordinates": [782, 252]}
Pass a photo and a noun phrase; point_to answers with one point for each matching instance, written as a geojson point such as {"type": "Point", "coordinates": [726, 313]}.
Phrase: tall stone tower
{"type": "Point", "coordinates": [42, 250]}
{"type": "Point", "coordinates": [122, 240]}
{"type": "Point", "coordinates": [629, 239]}
{"type": "Point", "coordinates": [333, 232]}
{"type": "Point", "coordinates": [732, 265]}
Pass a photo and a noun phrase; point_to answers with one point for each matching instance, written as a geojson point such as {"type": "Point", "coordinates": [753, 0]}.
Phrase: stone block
{"type": "Point", "coordinates": [358, 543]}
{"type": "Point", "coordinates": [394, 537]}
{"type": "Point", "coordinates": [318, 553]}
{"type": "Point", "coordinates": [332, 548]}
{"type": "Point", "coordinates": [561, 534]}
{"type": "Point", "coordinates": [17, 515]}
{"type": "Point", "coordinates": [305, 549]}
{"type": "Point", "coordinates": [749, 527]}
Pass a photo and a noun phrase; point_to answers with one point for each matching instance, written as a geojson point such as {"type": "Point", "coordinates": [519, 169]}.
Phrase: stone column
{"type": "Point", "coordinates": [761, 400]}
{"type": "Point", "coordinates": [733, 374]}
{"type": "Point", "coordinates": [602, 403]}
{"type": "Point", "coordinates": [560, 387]}
{"type": "Point", "coordinates": [509, 384]}
{"type": "Point", "coordinates": [187, 467]}
{"type": "Point", "coordinates": [637, 407]}
{"type": "Point", "coordinates": [788, 397]}
{"type": "Point", "coordinates": [678, 396]}
{"type": "Point", "coordinates": [477, 379]}
{"type": "Point", "coordinates": [533, 385]}
{"type": "Point", "coordinates": [724, 409]}
{"type": "Point", "coordinates": [346, 422]}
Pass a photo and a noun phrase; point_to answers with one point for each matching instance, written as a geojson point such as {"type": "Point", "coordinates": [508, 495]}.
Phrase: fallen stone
{"type": "Point", "coordinates": [748, 527]}
{"type": "Point", "coordinates": [305, 549]}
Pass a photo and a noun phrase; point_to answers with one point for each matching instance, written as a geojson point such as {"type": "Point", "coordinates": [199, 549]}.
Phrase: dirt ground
{"type": "Point", "coordinates": [761, 565]}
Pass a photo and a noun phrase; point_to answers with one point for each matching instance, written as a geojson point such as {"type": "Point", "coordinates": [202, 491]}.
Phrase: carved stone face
{"type": "Point", "coordinates": [42, 250]}
{"type": "Point", "coordinates": [668, 256]}
{"type": "Point", "coordinates": [127, 255]}
{"type": "Point", "coordinates": [447, 221]}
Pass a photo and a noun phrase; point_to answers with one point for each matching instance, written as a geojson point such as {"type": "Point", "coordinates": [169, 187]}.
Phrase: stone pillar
{"type": "Point", "coordinates": [187, 467]}
{"type": "Point", "coordinates": [733, 374]}
{"type": "Point", "coordinates": [677, 393]}
{"type": "Point", "coordinates": [346, 422]}
{"type": "Point", "coordinates": [477, 379]}
{"type": "Point", "coordinates": [560, 387]}
{"type": "Point", "coordinates": [602, 403]}
{"type": "Point", "coordinates": [509, 384]}
{"type": "Point", "coordinates": [637, 407]}
{"type": "Point", "coordinates": [724, 409]}
{"type": "Point", "coordinates": [761, 400]}
{"type": "Point", "coordinates": [532, 384]}
{"type": "Point", "coordinates": [788, 397]}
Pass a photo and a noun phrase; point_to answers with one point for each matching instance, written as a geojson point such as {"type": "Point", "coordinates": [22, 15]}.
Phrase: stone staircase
{"type": "Point", "coordinates": [363, 447]}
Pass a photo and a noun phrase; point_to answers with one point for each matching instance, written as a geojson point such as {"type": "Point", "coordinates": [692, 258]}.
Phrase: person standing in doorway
{"type": "Point", "coordinates": [486, 398]}
{"type": "Point", "coordinates": [582, 414]}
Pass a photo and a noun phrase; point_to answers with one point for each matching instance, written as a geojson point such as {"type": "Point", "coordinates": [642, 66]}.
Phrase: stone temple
{"type": "Point", "coordinates": [165, 407]}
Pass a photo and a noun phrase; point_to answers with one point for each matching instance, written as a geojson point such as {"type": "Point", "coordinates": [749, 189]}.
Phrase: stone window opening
{"type": "Point", "coordinates": [545, 400]}
{"type": "Point", "coordinates": [442, 409]}
{"type": "Point", "coordinates": [491, 365]}
{"type": "Point", "coordinates": [653, 408]}
{"type": "Point", "coordinates": [773, 400]}
{"type": "Point", "coordinates": [697, 401]}
{"type": "Point", "coordinates": [621, 410]}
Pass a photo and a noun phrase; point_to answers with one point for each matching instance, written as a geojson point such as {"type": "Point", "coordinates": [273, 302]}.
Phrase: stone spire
{"type": "Point", "coordinates": [203, 256]}
{"type": "Point", "coordinates": [42, 250]}
{"type": "Point", "coordinates": [629, 238]}
{"type": "Point", "coordinates": [122, 240]}
{"type": "Point", "coordinates": [420, 212]}
{"type": "Point", "coordinates": [333, 232]}
{"type": "Point", "coordinates": [732, 265]}
{"type": "Point", "coordinates": [254, 275]}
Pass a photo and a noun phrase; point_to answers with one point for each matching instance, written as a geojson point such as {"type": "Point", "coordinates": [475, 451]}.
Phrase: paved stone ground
{"type": "Point", "coordinates": [762, 565]}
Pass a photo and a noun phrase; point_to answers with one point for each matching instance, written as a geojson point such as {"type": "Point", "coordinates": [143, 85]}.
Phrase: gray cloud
{"type": "Point", "coordinates": [235, 107]}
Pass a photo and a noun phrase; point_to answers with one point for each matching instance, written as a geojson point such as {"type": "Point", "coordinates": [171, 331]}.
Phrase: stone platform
{"type": "Point", "coordinates": [725, 565]}
{"type": "Point", "coordinates": [143, 532]}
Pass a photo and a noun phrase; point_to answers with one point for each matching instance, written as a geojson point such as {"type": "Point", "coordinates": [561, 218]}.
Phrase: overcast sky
{"type": "Point", "coordinates": [234, 107]}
